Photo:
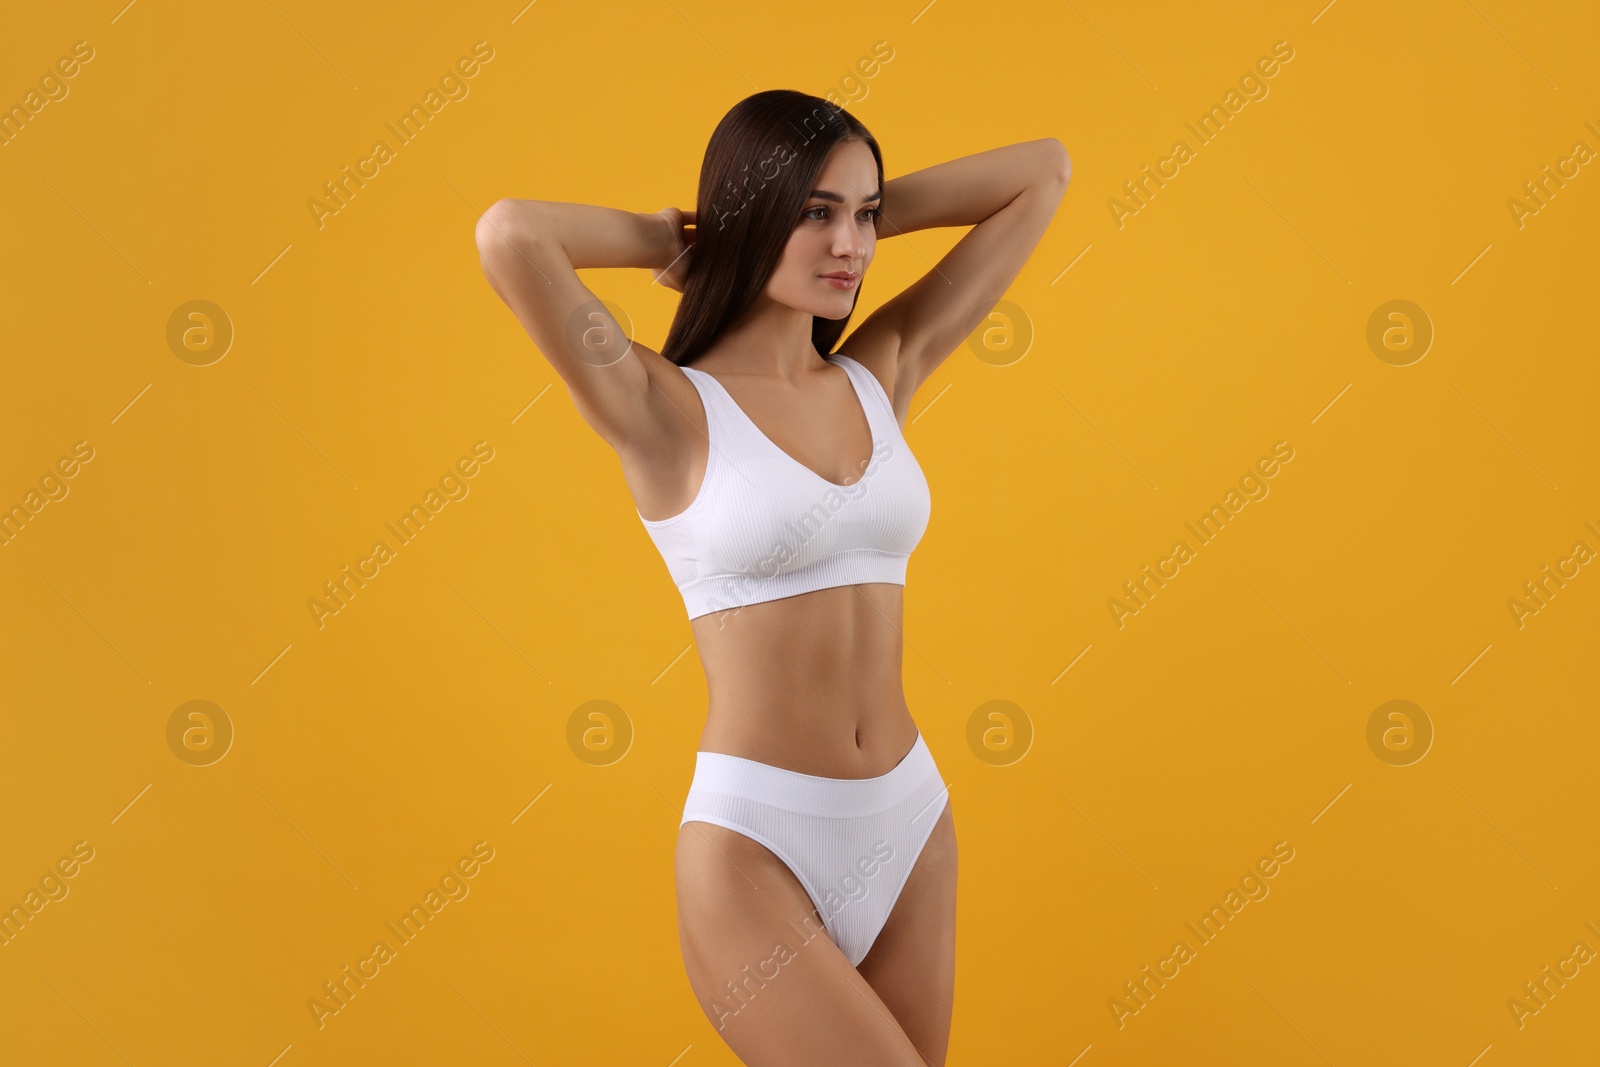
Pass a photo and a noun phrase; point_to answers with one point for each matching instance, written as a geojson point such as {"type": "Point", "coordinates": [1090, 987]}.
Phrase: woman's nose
{"type": "Point", "coordinates": [847, 242]}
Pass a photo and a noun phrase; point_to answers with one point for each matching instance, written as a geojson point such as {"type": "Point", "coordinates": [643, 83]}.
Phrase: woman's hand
{"type": "Point", "coordinates": [681, 225]}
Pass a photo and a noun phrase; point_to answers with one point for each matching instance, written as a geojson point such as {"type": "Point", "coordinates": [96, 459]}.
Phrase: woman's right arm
{"type": "Point", "coordinates": [531, 251]}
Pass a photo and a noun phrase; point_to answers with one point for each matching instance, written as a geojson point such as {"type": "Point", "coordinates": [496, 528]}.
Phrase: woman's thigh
{"type": "Point", "coordinates": [773, 984]}
{"type": "Point", "coordinates": [912, 964]}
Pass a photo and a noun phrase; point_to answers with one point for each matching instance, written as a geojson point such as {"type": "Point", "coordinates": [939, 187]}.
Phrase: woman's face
{"type": "Point", "coordinates": [835, 233]}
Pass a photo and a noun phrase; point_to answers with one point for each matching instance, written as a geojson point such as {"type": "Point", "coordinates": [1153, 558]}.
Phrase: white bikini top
{"type": "Point", "coordinates": [764, 526]}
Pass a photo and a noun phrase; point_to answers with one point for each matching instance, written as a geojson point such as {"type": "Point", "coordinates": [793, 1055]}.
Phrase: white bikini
{"type": "Point", "coordinates": [761, 527]}
{"type": "Point", "coordinates": [764, 526]}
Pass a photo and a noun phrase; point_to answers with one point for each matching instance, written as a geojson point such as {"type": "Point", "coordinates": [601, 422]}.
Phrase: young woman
{"type": "Point", "coordinates": [816, 858]}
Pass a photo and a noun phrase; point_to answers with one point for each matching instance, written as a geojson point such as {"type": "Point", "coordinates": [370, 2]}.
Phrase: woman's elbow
{"type": "Point", "coordinates": [494, 225]}
{"type": "Point", "coordinates": [508, 234]}
{"type": "Point", "coordinates": [1056, 160]}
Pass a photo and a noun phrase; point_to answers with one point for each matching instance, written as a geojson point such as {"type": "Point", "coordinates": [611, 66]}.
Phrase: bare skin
{"type": "Point", "coordinates": [810, 683]}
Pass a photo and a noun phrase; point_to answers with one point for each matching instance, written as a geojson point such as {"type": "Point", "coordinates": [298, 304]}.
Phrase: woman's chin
{"type": "Point", "coordinates": [834, 305]}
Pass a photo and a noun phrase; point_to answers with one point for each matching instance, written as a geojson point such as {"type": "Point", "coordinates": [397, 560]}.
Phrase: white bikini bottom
{"type": "Point", "coordinates": [850, 841]}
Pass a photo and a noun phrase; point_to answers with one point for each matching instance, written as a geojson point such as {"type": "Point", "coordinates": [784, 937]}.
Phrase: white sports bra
{"type": "Point", "coordinates": [764, 526]}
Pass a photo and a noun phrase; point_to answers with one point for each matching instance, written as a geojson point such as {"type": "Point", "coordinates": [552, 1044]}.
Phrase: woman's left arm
{"type": "Point", "coordinates": [1008, 196]}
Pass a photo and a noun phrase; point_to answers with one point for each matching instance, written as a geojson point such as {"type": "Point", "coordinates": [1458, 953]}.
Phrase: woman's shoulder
{"type": "Point", "coordinates": [877, 350]}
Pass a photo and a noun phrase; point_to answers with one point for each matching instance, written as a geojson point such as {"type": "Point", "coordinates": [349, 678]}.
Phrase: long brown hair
{"type": "Point", "coordinates": [760, 166]}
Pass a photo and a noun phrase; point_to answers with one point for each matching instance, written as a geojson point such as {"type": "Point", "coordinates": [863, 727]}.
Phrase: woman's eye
{"type": "Point", "coordinates": [872, 214]}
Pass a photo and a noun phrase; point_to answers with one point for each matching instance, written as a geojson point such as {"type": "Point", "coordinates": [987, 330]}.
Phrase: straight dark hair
{"type": "Point", "coordinates": [760, 166]}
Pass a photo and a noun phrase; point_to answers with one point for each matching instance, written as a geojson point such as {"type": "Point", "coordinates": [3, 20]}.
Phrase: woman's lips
{"type": "Point", "coordinates": [841, 283]}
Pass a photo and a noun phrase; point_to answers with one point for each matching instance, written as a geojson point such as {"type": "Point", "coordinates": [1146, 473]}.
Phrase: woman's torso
{"type": "Point", "coordinates": [809, 681]}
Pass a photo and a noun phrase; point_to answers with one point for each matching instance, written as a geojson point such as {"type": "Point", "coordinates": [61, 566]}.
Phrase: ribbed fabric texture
{"type": "Point", "coordinates": [851, 842]}
{"type": "Point", "coordinates": [763, 526]}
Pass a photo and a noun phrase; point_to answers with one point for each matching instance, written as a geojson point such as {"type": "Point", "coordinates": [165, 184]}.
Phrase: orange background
{"type": "Point", "coordinates": [1140, 370]}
